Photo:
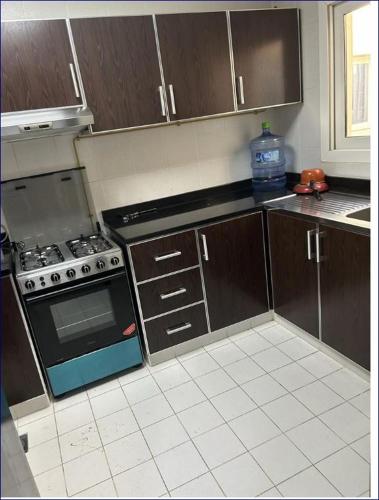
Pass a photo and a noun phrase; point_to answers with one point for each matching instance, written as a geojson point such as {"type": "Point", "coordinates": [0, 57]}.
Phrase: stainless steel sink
{"type": "Point", "coordinates": [364, 214]}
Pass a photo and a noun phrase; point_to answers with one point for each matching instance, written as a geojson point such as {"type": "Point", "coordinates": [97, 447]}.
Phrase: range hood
{"type": "Point", "coordinates": [41, 123]}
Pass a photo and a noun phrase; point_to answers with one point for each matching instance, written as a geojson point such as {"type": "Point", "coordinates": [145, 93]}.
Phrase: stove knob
{"type": "Point", "coordinates": [29, 285]}
{"type": "Point", "coordinates": [71, 273]}
{"type": "Point", "coordinates": [86, 269]}
{"type": "Point", "coordinates": [115, 261]}
{"type": "Point", "coordinates": [100, 264]}
{"type": "Point", "coordinates": [55, 277]}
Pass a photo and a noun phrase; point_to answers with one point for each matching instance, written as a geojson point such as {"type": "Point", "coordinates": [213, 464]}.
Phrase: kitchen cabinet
{"type": "Point", "coordinates": [36, 71]}
{"type": "Point", "coordinates": [293, 270]}
{"type": "Point", "coordinates": [119, 67]}
{"type": "Point", "coordinates": [196, 63]}
{"type": "Point", "coordinates": [345, 292]}
{"type": "Point", "coordinates": [266, 50]}
{"type": "Point", "coordinates": [233, 261]}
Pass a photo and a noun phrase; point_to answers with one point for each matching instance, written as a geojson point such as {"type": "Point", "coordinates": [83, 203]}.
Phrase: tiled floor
{"type": "Point", "coordinates": [260, 414]}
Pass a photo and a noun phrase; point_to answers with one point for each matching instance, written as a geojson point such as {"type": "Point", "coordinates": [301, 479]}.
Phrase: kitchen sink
{"type": "Point", "coordinates": [364, 214]}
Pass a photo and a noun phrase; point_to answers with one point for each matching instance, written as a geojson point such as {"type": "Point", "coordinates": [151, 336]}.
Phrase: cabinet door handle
{"type": "Point", "coordinates": [319, 257]}
{"type": "Point", "coordinates": [74, 80]}
{"type": "Point", "coordinates": [165, 256]}
{"type": "Point", "coordinates": [163, 107]}
{"type": "Point", "coordinates": [179, 328]}
{"type": "Point", "coordinates": [205, 247]}
{"type": "Point", "coordinates": [172, 98]}
{"type": "Point", "coordinates": [310, 233]}
{"type": "Point", "coordinates": [240, 88]}
{"type": "Point", "coordinates": [168, 295]}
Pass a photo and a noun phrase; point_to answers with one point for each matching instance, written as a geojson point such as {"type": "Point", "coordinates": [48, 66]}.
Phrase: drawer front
{"type": "Point", "coordinates": [164, 255]}
{"type": "Point", "coordinates": [176, 328]}
{"type": "Point", "coordinates": [165, 294]}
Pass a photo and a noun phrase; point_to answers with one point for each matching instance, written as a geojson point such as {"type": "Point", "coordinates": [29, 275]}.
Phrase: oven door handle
{"type": "Point", "coordinates": [69, 289]}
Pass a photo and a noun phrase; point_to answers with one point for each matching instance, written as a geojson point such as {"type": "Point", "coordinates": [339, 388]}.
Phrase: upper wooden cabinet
{"type": "Point", "coordinates": [119, 66]}
{"type": "Point", "coordinates": [35, 66]}
{"type": "Point", "coordinates": [196, 64]}
{"type": "Point", "coordinates": [266, 57]}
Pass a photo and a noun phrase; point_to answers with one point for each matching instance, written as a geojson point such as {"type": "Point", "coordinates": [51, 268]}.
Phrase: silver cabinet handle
{"type": "Point", "coordinates": [319, 257]}
{"type": "Point", "coordinates": [179, 328]}
{"type": "Point", "coordinates": [168, 295]}
{"type": "Point", "coordinates": [163, 107]}
{"type": "Point", "coordinates": [241, 92]}
{"type": "Point", "coordinates": [310, 233]}
{"type": "Point", "coordinates": [172, 97]}
{"type": "Point", "coordinates": [165, 256]}
{"type": "Point", "coordinates": [205, 247]}
{"type": "Point", "coordinates": [74, 80]}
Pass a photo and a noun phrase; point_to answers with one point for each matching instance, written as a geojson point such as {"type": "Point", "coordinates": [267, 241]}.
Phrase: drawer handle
{"type": "Point", "coordinates": [165, 256]}
{"type": "Point", "coordinates": [205, 247]}
{"type": "Point", "coordinates": [179, 328]}
{"type": "Point", "coordinates": [310, 233]}
{"type": "Point", "coordinates": [168, 295]}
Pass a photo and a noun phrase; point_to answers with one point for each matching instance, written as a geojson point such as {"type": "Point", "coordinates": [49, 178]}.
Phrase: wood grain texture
{"type": "Point", "coordinates": [294, 277]}
{"type": "Point", "coordinates": [120, 71]}
{"type": "Point", "coordinates": [234, 275]}
{"type": "Point", "coordinates": [195, 57]}
{"type": "Point", "coordinates": [266, 54]}
{"type": "Point", "coordinates": [345, 293]}
{"type": "Point", "coordinates": [35, 70]}
{"type": "Point", "coordinates": [20, 377]}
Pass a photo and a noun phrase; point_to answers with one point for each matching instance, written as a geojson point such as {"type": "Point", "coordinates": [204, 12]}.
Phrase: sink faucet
{"type": "Point", "coordinates": [316, 193]}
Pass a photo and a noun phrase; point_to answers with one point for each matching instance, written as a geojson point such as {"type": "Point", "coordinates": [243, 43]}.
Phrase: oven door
{"type": "Point", "coordinates": [82, 318]}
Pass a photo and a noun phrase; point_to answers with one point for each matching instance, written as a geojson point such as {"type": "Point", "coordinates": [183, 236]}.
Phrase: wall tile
{"type": "Point", "coordinates": [36, 156]}
{"type": "Point", "coordinates": [44, 10]}
{"type": "Point", "coordinates": [12, 10]}
{"type": "Point", "coordinates": [9, 168]}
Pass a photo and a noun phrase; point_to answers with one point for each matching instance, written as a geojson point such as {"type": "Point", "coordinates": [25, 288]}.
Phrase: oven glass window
{"type": "Point", "coordinates": [83, 315]}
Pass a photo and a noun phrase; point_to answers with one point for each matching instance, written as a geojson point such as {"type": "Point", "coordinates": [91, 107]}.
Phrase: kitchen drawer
{"type": "Point", "coordinates": [164, 255]}
{"type": "Point", "coordinates": [176, 328]}
{"type": "Point", "coordinates": [171, 292]}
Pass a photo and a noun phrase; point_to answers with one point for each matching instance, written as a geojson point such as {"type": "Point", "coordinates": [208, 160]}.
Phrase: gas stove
{"type": "Point", "coordinates": [45, 267]}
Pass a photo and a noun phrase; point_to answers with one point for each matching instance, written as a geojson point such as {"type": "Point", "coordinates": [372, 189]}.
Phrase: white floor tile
{"type": "Point", "coordinates": [317, 397]}
{"type": "Point", "coordinates": [362, 403]}
{"type": "Point", "coordinates": [39, 431]}
{"type": "Point", "coordinates": [215, 383]}
{"type": "Point", "coordinates": [141, 481]}
{"type": "Point", "coordinates": [200, 365]}
{"type": "Point", "coordinates": [296, 348]}
{"type": "Point", "coordinates": [127, 452]}
{"type": "Point", "coordinates": [51, 483]}
{"type": "Point", "coordinates": [218, 446]}
{"type": "Point", "coordinates": [276, 334]}
{"type": "Point", "coordinates": [264, 389]}
{"type": "Point", "coordinates": [315, 440]}
{"type": "Point", "coordinates": [28, 419]}
{"type": "Point", "coordinates": [319, 364]}
{"type": "Point", "coordinates": [86, 471]}
{"type": "Point", "coordinates": [254, 428]}
{"type": "Point", "coordinates": [202, 487]}
{"type": "Point", "coordinates": [347, 471]}
{"type": "Point", "coordinates": [74, 416]}
{"type": "Point", "coordinates": [346, 383]}
{"type": "Point", "coordinates": [347, 422]}
{"type": "Point", "coordinates": [191, 354]}
{"type": "Point", "coordinates": [271, 359]}
{"type": "Point", "coordinates": [271, 493]}
{"type": "Point", "coordinates": [163, 366]}
{"type": "Point", "coordinates": [165, 434]}
{"type": "Point", "coordinates": [287, 412]}
{"type": "Point", "coordinates": [108, 403]}
{"type": "Point", "coordinates": [252, 344]}
{"type": "Point", "coordinates": [308, 484]}
{"type": "Point", "coordinates": [171, 377]}
{"type": "Point", "coordinates": [45, 456]}
{"type": "Point", "coordinates": [280, 459]}
{"type": "Point", "coordinates": [135, 374]}
{"type": "Point", "coordinates": [71, 399]}
{"type": "Point", "coordinates": [141, 389]}
{"type": "Point", "coordinates": [263, 326]}
{"type": "Point", "coordinates": [244, 370]}
{"type": "Point", "coordinates": [242, 477]}
{"type": "Point", "coordinates": [152, 410]}
{"type": "Point", "coordinates": [191, 465]}
{"type": "Point", "coordinates": [241, 335]}
{"type": "Point", "coordinates": [227, 354]}
{"type": "Point", "coordinates": [233, 403]}
{"type": "Point", "coordinates": [79, 442]}
{"type": "Point", "coordinates": [101, 387]}
{"type": "Point", "coordinates": [292, 376]}
{"type": "Point", "coordinates": [117, 425]}
{"type": "Point", "coordinates": [362, 447]}
{"type": "Point", "coordinates": [200, 418]}
{"type": "Point", "coordinates": [216, 345]}
{"type": "Point", "coordinates": [184, 396]}
{"type": "Point", "coordinates": [105, 489]}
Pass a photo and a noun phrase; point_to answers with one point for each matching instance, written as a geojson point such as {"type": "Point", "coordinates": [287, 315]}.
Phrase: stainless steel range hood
{"type": "Point", "coordinates": [41, 123]}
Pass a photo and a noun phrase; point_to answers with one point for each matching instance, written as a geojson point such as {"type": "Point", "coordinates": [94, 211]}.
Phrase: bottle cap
{"type": "Point", "coordinates": [266, 125]}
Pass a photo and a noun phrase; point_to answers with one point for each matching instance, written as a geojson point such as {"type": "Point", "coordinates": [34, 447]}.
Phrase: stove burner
{"type": "Point", "coordinates": [88, 245]}
{"type": "Point", "coordinates": [40, 257]}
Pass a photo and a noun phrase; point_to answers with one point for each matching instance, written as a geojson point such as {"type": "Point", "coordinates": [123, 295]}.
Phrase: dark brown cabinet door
{"type": "Point", "coordinates": [345, 293]}
{"type": "Point", "coordinates": [234, 270]}
{"type": "Point", "coordinates": [266, 57]}
{"type": "Point", "coordinates": [196, 63]}
{"type": "Point", "coordinates": [35, 66]}
{"type": "Point", "coordinates": [294, 276]}
{"type": "Point", "coordinates": [119, 66]}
